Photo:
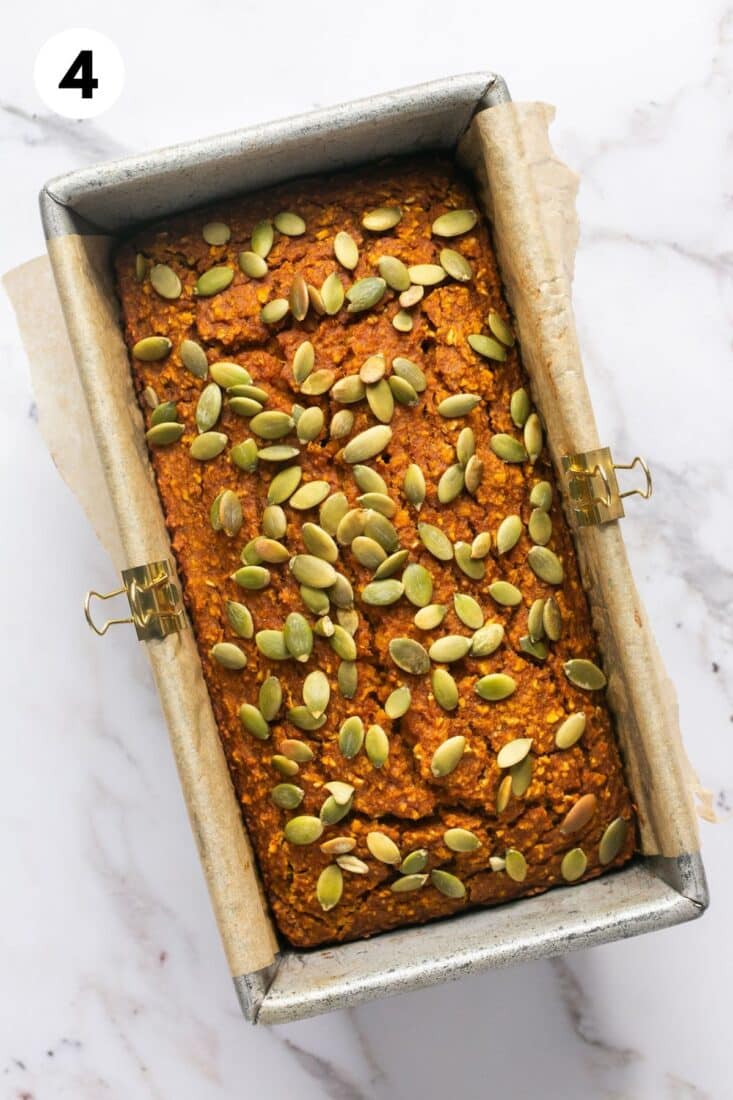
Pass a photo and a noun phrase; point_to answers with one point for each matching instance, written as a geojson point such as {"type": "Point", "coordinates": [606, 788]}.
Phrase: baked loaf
{"type": "Point", "coordinates": [379, 575]}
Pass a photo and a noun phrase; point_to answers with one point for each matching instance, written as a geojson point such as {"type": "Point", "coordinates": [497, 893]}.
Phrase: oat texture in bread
{"type": "Point", "coordinates": [382, 585]}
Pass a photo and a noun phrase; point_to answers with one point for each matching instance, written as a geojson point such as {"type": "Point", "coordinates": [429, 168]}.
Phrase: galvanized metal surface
{"type": "Point", "coordinates": [647, 895]}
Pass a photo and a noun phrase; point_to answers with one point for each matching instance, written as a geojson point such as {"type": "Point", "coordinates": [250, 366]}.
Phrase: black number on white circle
{"type": "Point", "coordinates": [80, 76]}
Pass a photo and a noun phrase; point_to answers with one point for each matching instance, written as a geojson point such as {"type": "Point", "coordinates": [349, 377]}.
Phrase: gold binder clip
{"type": "Point", "coordinates": [593, 485]}
{"type": "Point", "coordinates": [155, 603]}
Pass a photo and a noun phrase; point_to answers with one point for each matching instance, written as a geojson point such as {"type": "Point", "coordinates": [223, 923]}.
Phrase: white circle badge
{"type": "Point", "coordinates": [79, 73]}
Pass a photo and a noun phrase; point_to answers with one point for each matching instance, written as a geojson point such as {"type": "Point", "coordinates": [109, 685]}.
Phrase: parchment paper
{"type": "Point", "coordinates": [530, 197]}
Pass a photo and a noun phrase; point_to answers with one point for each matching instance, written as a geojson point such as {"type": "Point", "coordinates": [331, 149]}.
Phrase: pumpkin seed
{"type": "Point", "coordinates": [214, 280]}
{"type": "Point", "coordinates": [540, 527]}
{"type": "Point", "coordinates": [141, 267]}
{"type": "Point", "coordinates": [151, 398]}
{"type": "Point", "coordinates": [426, 274]}
{"type": "Point", "coordinates": [208, 407]}
{"type": "Point", "coordinates": [254, 722]}
{"type": "Point", "coordinates": [310, 424]}
{"type": "Point", "coordinates": [445, 689]}
{"type": "Point", "coordinates": [503, 794]}
{"type": "Point", "coordinates": [403, 322]}
{"type": "Point", "coordinates": [408, 883]}
{"type": "Point", "coordinates": [332, 293]}
{"type": "Point", "coordinates": [501, 329]}
{"type": "Point", "coordinates": [418, 584]}
{"type": "Point", "coordinates": [262, 238]}
{"type": "Point", "coordinates": [465, 446]}
{"type": "Point", "coordinates": [521, 777]}
{"type": "Point", "coordinates": [376, 746]}
{"type": "Point", "coordinates": [430, 616]}
{"type": "Point", "coordinates": [612, 840]}
{"type": "Point", "coordinates": [244, 455]}
{"type": "Point", "coordinates": [365, 293]}
{"type": "Point", "coordinates": [312, 571]}
{"type": "Point", "coordinates": [380, 400]}
{"type": "Point", "coordinates": [456, 265]}
{"type": "Point", "coordinates": [351, 525]}
{"type": "Point", "coordinates": [513, 752]}
{"type": "Point", "coordinates": [314, 599]}
{"type": "Point", "coordinates": [252, 265]}
{"type": "Point", "coordinates": [298, 638]}
{"type": "Point", "coordinates": [570, 731]}
{"type": "Point", "coordinates": [269, 702]}
{"type": "Point", "coordinates": [253, 577]}
{"type": "Point", "coordinates": [324, 627]}
{"type": "Point", "coordinates": [391, 564]}
{"type": "Point", "coordinates": [274, 311]}
{"type": "Point", "coordinates": [368, 552]}
{"type": "Point", "coordinates": [461, 840]}
{"type": "Point", "coordinates": [379, 502]}
{"type": "Point", "coordinates": [298, 298]}
{"type": "Point", "coordinates": [381, 219]}
{"type": "Point", "coordinates": [278, 452]}
{"type": "Point", "coordinates": [351, 736]}
{"type": "Point", "coordinates": [338, 846]}
{"type": "Point", "coordinates": [151, 348]}
{"type": "Point", "coordinates": [270, 550]}
{"type": "Point", "coordinates": [342, 793]}
{"type": "Point", "coordinates": [228, 375]}
{"type": "Point", "coordinates": [382, 593]}
{"type": "Point", "coordinates": [303, 830]}
{"type": "Point", "coordinates": [240, 619]}
{"type": "Point", "coordinates": [579, 815]}
{"type": "Point", "coordinates": [343, 644]}
{"type": "Point", "coordinates": [447, 756]}
{"type": "Point", "coordinates": [287, 796]}
{"type": "Point", "coordinates": [487, 640]}
{"type": "Point", "coordinates": [332, 511]}
{"type": "Point", "coordinates": [348, 390]}
{"type": "Point", "coordinates": [228, 655]}
{"type": "Point", "coordinates": [454, 223]}
{"type": "Point", "coordinates": [164, 280]}
{"type": "Point", "coordinates": [435, 541]}
{"type": "Point", "coordinates": [216, 233]}
{"type": "Point", "coordinates": [342, 595]}
{"type": "Point", "coordinates": [367, 444]}
{"type": "Point", "coordinates": [304, 720]}
{"type": "Point", "coordinates": [507, 448]}
{"type": "Point", "coordinates": [458, 404]}
{"type": "Point", "coordinates": [516, 865]}
{"type": "Point", "coordinates": [244, 406]}
{"type": "Point", "coordinates": [473, 475]}
{"type": "Point", "coordinates": [161, 435]}
{"type": "Point", "coordinates": [414, 488]}
{"type": "Point", "coordinates": [520, 407]}
{"type": "Point", "coordinates": [207, 446]}
{"type": "Point", "coordinates": [541, 496]}
{"type": "Point", "coordinates": [402, 391]}
{"type": "Point", "coordinates": [394, 273]}
{"type": "Point", "coordinates": [398, 702]}
{"type": "Point", "coordinates": [545, 564]}
{"type": "Point", "coordinates": [414, 862]}
{"type": "Point", "coordinates": [331, 812]}
{"type": "Point", "coordinates": [382, 847]}
{"type": "Point", "coordinates": [468, 610]}
{"type": "Point", "coordinates": [303, 361]}
{"type": "Point", "coordinates": [284, 484]}
{"type": "Point", "coordinates": [345, 250]}
{"type": "Point", "coordinates": [487, 347]}
{"type": "Point", "coordinates": [447, 884]}
{"type": "Point", "coordinates": [410, 656]}
{"type": "Point", "coordinates": [534, 620]}
{"type": "Point", "coordinates": [410, 297]}
{"type": "Point", "coordinates": [348, 619]}
{"type": "Point", "coordinates": [319, 543]}
{"type": "Point", "coordinates": [230, 513]}
{"type": "Point", "coordinates": [309, 495]}
{"type": "Point", "coordinates": [508, 534]}
{"type": "Point", "coordinates": [584, 674]}
{"type": "Point", "coordinates": [574, 864]}
{"type": "Point", "coordinates": [411, 372]}
{"type": "Point", "coordinates": [288, 223]}
{"type": "Point", "coordinates": [342, 423]}
{"type": "Point", "coordinates": [552, 619]}
{"type": "Point", "coordinates": [533, 437]}
{"type": "Point", "coordinates": [352, 864]}
{"type": "Point", "coordinates": [271, 644]}
{"type": "Point", "coordinates": [481, 545]}
{"type": "Point", "coordinates": [505, 594]}
{"type": "Point", "coordinates": [372, 369]}
{"type": "Point", "coordinates": [495, 687]}
{"type": "Point", "coordinates": [450, 484]}
{"type": "Point", "coordinates": [249, 555]}
{"type": "Point", "coordinates": [285, 767]}
{"type": "Point", "coordinates": [468, 565]}
{"type": "Point", "coordinates": [452, 647]}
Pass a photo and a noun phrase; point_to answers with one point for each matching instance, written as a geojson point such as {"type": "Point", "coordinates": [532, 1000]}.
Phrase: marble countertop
{"type": "Point", "coordinates": [114, 982]}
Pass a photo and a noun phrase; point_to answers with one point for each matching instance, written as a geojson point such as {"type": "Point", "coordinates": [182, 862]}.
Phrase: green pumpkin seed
{"type": "Point", "coordinates": [487, 347]}
{"type": "Point", "coordinates": [278, 452]}
{"type": "Point", "coordinates": [271, 644]}
{"type": "Point", "coordinates": [348, 619]}
{"type": "Point", "coordinates": [310, 424]}
{"type": "Point", "coordinates": [309, 495]}
{"type": "Point", "coordinates": [292, 748]}
{"type": "Point", "coordinates": [473, 474]}
{"type": "Point", "coordinates": [365, 293]}
{"type": "Point", "coordinates": [316, 300]}
{"type": "Point", "coordinates": [481, 545]}
{"type": "Point", "coordinates": [545, 565]}
{"type": "Point", "coordinates": [345, 250]}
{"type": "Point", "coordinates": [161, 435]}
{"type": "Point", "coordinates": [230, 513]}
{"type": "Point", "coordinates": [141, 267]}
{"type": "Point", "coordinates": [216, 233]}
{"type": "Point", "coordinates": [372, 369]}
{"type": "Point", "coordinates": [533, 437]}
{"type": "Point", "coordinates": [391, 564]}
{"type": "Point", "coordinates": [516, 865]}
{"type": "Point", "coordinates": [418, 584]}
{"type": "Point", "coordinates": [319, 543]}
{"type": "Point", "coordinates": [507, 448]}
{"type": "Point", "coordinates": [534, 620]}
{"type": "Point", "coordinates": [379, 502]}
{"type": "Point", "coordinates": [303, 361]}
{"type": "Point", "coordinates": [151, 348]}
{"type": "Point", "coordinates": [285, 767]}
{"type": "Point", "coordinates": [303, 830]}
{"type": "Point", "coordinates": [584, 674]}
{"type": "Point", "coordinates": [382, 847]}
{"type": "Point", "coordinates": [262, 238]}
{"type": "Point", "coordinates": [445, 689]}
{"type": "Point", "coordinates": [254, 722]}
{"type": "Point", "coordinates": [319, 382]}
{"type": "Point", "coordinates": [368, 552]}
{"type": "Point", "coordinates": [452, 647]}
{"type": "Point", "coordinates": [394, 273]}
{"type": "Point", "coordinates": [570, 731]}
{"type": "Point", "coordinates": [398, 702]}
{"type": "Point", "coordinates": [270, 550]}
{"type": "Point", "coordinates": [403, 322]}
{"type": "Point", "coordinates": [447, 884]}
{"type": "Point", "coordinates": [313, 571]}
{"type": "Point", "coordinates": [351, 736]}
{"type": "Point", "coordinates": [447, 756]}
{"type": "Point", "coordinates": [435, 541]}
{"type": "Point", "coordinates": [468, 610]}
{"type": "Point", "coordinates": [430, 616]}
{"type": "Point", "coordinates": [207, 446]}
{"type": "Point", "coordinates": [505, 594]}
{"type": "Point", "coordinates": [500, 328]}
{"type": "Point", "coordinates": [411, 372]}
{"type": "Point", "coordinates": [520, 407]}
{"type": "Point", "coordinates": [228, 375]}
{"type": "Point", "coordinates": [508, 534]}
{"type": "Point", "coordinates": [273, 311]}
{"type": "Point", "coordinates": [253, 577]}
{"type": "Point", "coordinates": [249, 555]}
{"type": "Point", "coordinates": [472, 568]}
{"type": "Point", "coordinates": [343, 644]}
{"type": "Point", "coordinates": [342, 423]}
{"type": "Point", "coordinates": [324, 627]}
{"type": "Point", "coordinates": [415, 490]}
{"type": "Point", "coordinates": [342, 793]}
{"type": "Point", "coordinates": [352, 864]}
{"type": "Point", "coordinates": [504, 794]}
{"type": "Point", "coordinates": [579, 814]}
{"type": "Point", "coordinates": [454, 223]}
{"type": "Point", "coordinates": [338, 846]}
{"type": "Point", "coordinates": [342, 595]}
{"type": "Point", "coordinates": [193, 358]}
{"type": "Point", "coordinates": [208, 407]}
{"type": "Point", "coordinates": [381, 219]}
{"type": "Point", "coordinates": [332, 293]}
{"type": "Point", "coordinates": [426, 274]}
{"type": "Point", "coordinates": [298, 299]}
{"type": "Point", "coordinates": [228, 655]}
{"type": "Point", "coordinates": [287, 796]}
{"type": "Point", "coordinates": [270, 700]}
{"type": "Point", "coordinates": [487, 640]}
{"type": "Point", "coordinates": [332, 511]}
{"type": "Point", "coordinates": [244, 455]}
{"type": "Point", "coordinates": [382, 593]}
{"type": "Point", "coordinates": [348, 390]}
{"type": "Point", "coordinates": [214, 280]}
{"type": "Point", "coordinates": [541, 496]}
{"type": "Point", "coordinates": [410, 656]}
{"type": "Point", "coordinates": [401, 389]}
{"type": "Point", "coordinates": [298, 636]}
{"type": "Point", "coordinates": [495, 687]}
{"type": "Point", "coordinates": [284, 484]}
{"type": "Point", "coordinates": [165, 281]}
{"type": "Point", "coordinates": [380, 400]}
{"type": "Point", "coordinates": [574, 864]}
{"type": "Point", "coordinates": [240, 619]}
{"type": "Point", "coordinates": [376, 746]}
{"type": "Point", "coordinates": [465, 446]}
{"type": "Point", "coordinates": [521, 777]}
{"type": "Point", "coordinates": [458, 404]}
{"type": "Point", "coordinates": [408, 883]}
{"type": "Point", "coordinates": [331, 812]}
{"type": "Point", "coordinates": [304, 720]}
{"type": "Point", "coordinates": [451, 484]}
{"type": "Point", "coordinates": [288, 223]}
{"type": "Point", "coordinates": [414, 863]}
{"type": "Point", "coordinates": [410, 297]}
{"type": "Point", "coordinates": [513, 752]}
{"type": "Point", "coordinates": [540, 527]}
{"type": "Point", "coordinates": [456, 265]}
{"type": "Point", "coordinates": [244, 406]}
{"type": "Point", "coordinates": [612, 841]}
{"type": "Point", "coordinates": [552, 619]}
{"type": "Point", "coordinates": [252, 265]}
{"type": "Point", "coordinates": [367, 444]}
{"type": "Point", "coordinates": [461, 840]}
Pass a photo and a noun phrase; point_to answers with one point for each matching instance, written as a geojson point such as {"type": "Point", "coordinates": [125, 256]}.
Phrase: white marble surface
{"type": "Point", "coordinates": [113, 981]}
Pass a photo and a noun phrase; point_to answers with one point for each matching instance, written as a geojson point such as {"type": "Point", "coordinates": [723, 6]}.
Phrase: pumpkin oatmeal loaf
{"type": "Point", "coordinates": [383, 587]}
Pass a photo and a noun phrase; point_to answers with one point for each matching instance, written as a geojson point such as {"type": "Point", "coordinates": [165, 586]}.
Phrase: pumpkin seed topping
{"type": "Point", "coordinates": [216, 233]}
{"type": "Point", "coordinates": [579, 814]}
{"type": "Point", "coordinates": [503, 794]}
{"type": "Point", "coordinates": [465, 446]}
{"type": "Point", "coordinates": [481, 545]}
{"type": "Point", "coordinates": [262, 238]}
{"type": "Point", "coordinates": [612, 840]}
{"type": "Point", "coordinates": [403, 322]}
{"type": "Point", "coordinates": [447, 756]}
{"type": "Point", "coordinates": [352, 864]}
{"type": "Point", "coordinates": [508, 534]}
{"type": "Point", "coordinates": [414, 862]}
{"type": "Point", "coordinates": [228, 375]}
{"type": "Point", "coordinates": [408, 883]}
{"type": "Point", "coordinates": [298, 298]}
{"type": "Point", "coordinates": [313, 571]}
{"type": "Point", "coordinates": [284, 483]}
{"type": "Point", "coordinates": [500, 328]}
{"type": "Point", "coordinates": [461, 840]}
{"type": "Point", "coordinates": [162, 435]}
{"type": "Point", "coordinates": [254, 722]}
{"type": "Point", "coordinates": [411, 372]}
{"type": "Point", "coordinates": [552, 619]}
{"type": "Point", "coordinates": [391, 564]}
{"type": "Point", "coordinates": [453, 647]}
{"type": "Point", "coordinates": [540, 527]}
{"type": "Point", "coordinates": [309, 495]}
{"type": "Point", "coordinates": [521, 776]}
{"type": "Point", "coordinates": [332, 293]}
{"type": "Point", "coordinates": [533, 437]}
{"type": "Point", "coordinates": [513, 752]}
{"type": "Point", "coordinates": [505, 594]}
{"type": "Point", "coordinates": [520, 407]}
{"type": "Point", "coordinates": [447, 884]}
{"type": "Point", "coordinates": [445, 689]}
{"type": "Point", "coordinates": [545, 564]}
{"type": "Point", "coordinates": [394, 273]}
{"type": "Point", "coordinates": [381, 219]}
{"type": "Point", "coordinates": [274, 311]}
{"type": "Point", "coordinates": [382, 847]}
{"type": "Point", "coordinates": [346, 250]}
{"type": "Point", "coordinates": [283, 766]}
{"type": "Point", "coordinates": [573, 865]}
{"type": "Point", "coordinates": [271, 644]}
{"type": "Point", "coordinates": [244, 406]}
{"type": "Point", "coordinates": [365, 293]}
{"type": "Point", "coordinates": [330, 887]}
{"type": "Point", "coordinates": [497, 863]}
{"type": "Point", "coordinates": [380, 400]}
{"type": "Point", "coordinates": [487, 640]}
{"type": "Point", "coordinates": [507, 448]}
{"type": "Point", "coordinates": [570, 731]}
{"type": "Point", "coordinates": [410, 656]}
{"type": "Point", "coordinates": [584, 674]}
{"type": "Point", "coordinates": [458, 404]}
{"type": "Point", "coordinates": [473, 474]}
{"type": "Point", "coordinates": [410, 297]}
{"type": "Point", "coordinates": [516, 865]}
{"type": "Point", "coordinates": [402, 391]}
{"type": "Point", "coordinates": [269, 702]}
{"type": "Point", "coordinates": [208, 445]}
{"type": "Point", "coordinates": [343, 644]}
{"type": "Point", "coordinates": [252, 265]}
{"type": "Point", "coordinates": [435, 541]}
{"type": "Point", "coordinates": [495, 687]}
{"type": "Point", "coordinates": [316, 693]}
{"type": "Point", "coordinates": [151, 348]}
{"type": "Point", "coordinates": [351, 736]}
{"type": "Point", "coordinates": [287, 796]}
{"type": "Point", "coordinates": [468, 565]}
{"type": "Point", "coordinates": [342, 423]}
{"type": "Point", "coordinates": [240, 619]}
{"type": "Point", "coordinates": [487, 347]}
{"type": "Point", "coordinates": [288, 223]}
{"type": "Point", "coordinates": [141, 267]}
{"type": "Point", "coordinates": [534, 620]}
{"type": "Point", "coordinates": [331, 812]}
{"type": "Point", "coordinates": [541, 496]}
{"type": "Point", "coordinates": [451, 484]}
{"type": "Point", "coordinates": [456, 265]}
{"type": "Point", "coordinates": [310, 424]}
{"type": "Point", "coordinates": [376, 746]}
{"type": "Point", "coordinates": [454, 222]}
{"type": "Point", "coordinates": [398, 702]}
{"type": "Point", "coordinates": [338, 846]}
{"type": "Point", "coordinates": [228, 655]}
{"type": "Point", "coordinates": [367, 444]}
{"type": "Point", "coordinates": [418, 584]}
{"type": "Point", "coordinates": [426, 274]}
{"type": "Point", "coordinates": [165, 281]}
{"type": "Point", "coordinates": [214, 280]}
{"type": "Point", "coordinates": [382, 593]}
{"type": "Point", "coordinates": [414, 486]}
{"type": "Point", "coordinates": [319, 543]}
{"type": "Point", "coordinates": [303, 361]}
{"type": "Point", "coordinates": [244, 455]}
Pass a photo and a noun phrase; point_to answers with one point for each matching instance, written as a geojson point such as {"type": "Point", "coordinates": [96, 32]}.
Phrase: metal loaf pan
{"type": "Point", "coordinates": [104, 202]}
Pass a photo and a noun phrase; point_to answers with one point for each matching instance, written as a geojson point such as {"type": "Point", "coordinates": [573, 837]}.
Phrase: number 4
{"type": "Point", "coordinates": [81, 65]}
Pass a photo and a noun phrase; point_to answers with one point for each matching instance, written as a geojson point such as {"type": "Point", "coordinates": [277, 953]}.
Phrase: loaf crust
{"type": "Point", "coordinates": [403, 798]}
